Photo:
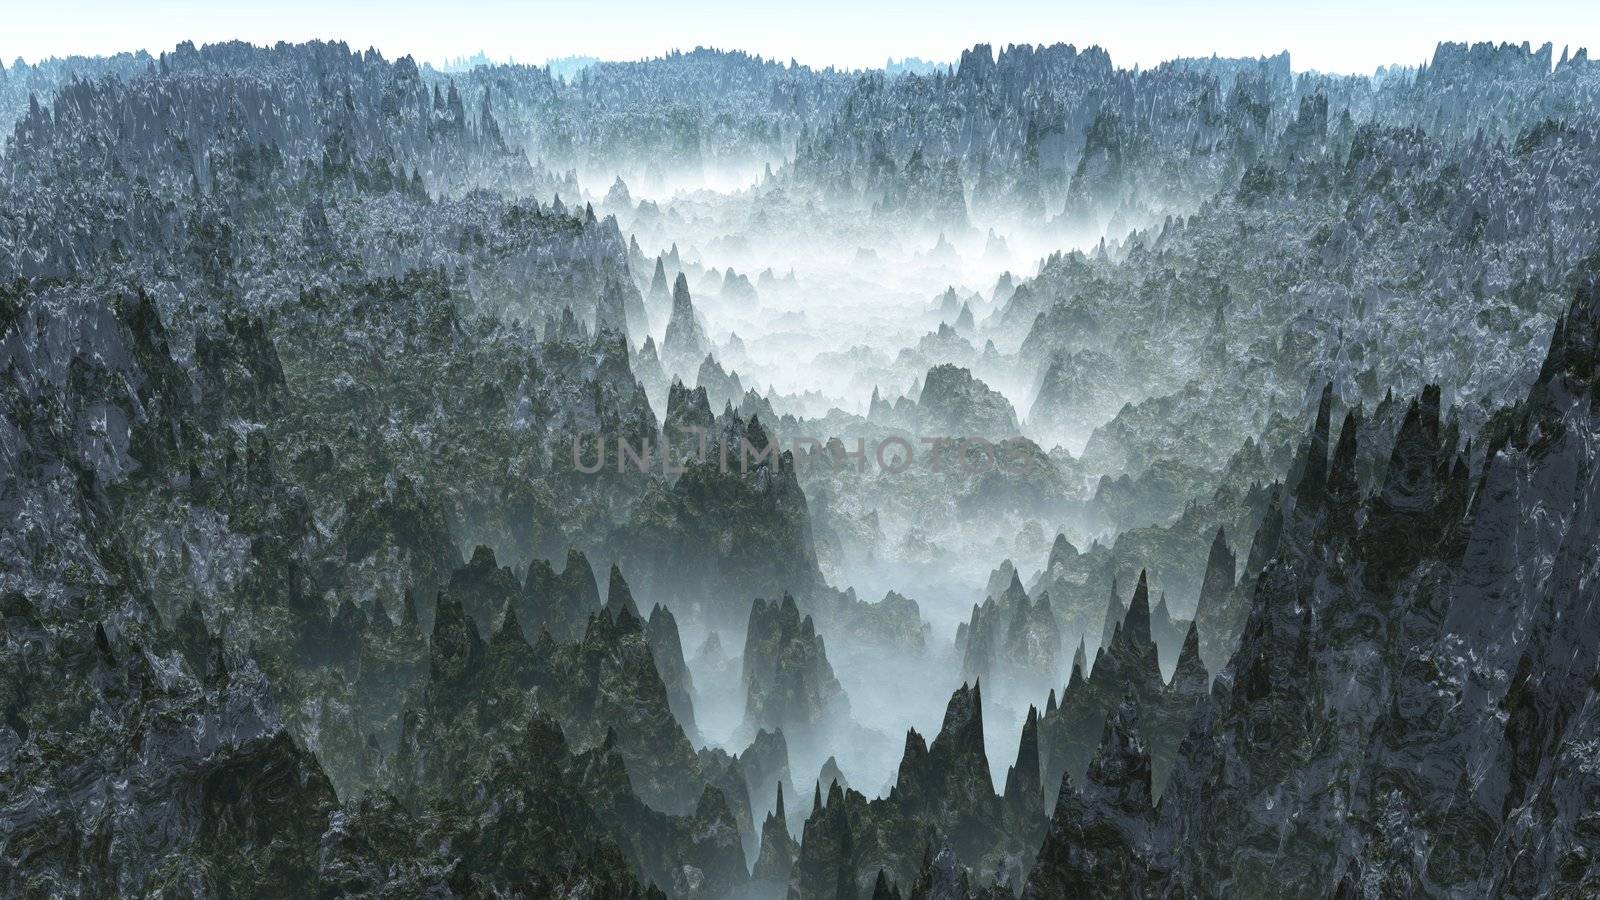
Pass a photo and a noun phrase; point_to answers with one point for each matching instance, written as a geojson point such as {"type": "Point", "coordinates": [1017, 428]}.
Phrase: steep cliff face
{"type": "Point", "coordinates": [1215, 617]}
{"type": "Point", "coordinates": [666, 648]}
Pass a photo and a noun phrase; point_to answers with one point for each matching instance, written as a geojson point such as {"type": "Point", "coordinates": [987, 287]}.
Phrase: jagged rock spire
{"type": "Point", "coordinates": [1119, 776]}
{"type": "Point", "coordinates": [666, 648]}
{"type": "Point", "coordinates": [456, 648]}
{"type": "Point", "coordinates": [619, 599]}
{"type": "Point", "coordinates": [962, 731]}
{"type": "Point", "coordinates": [660, 291]}
{"type": "Point", "coordinates": [775, 860]}
{"type": "Point", "coordinates": [685, 343]}
{"type": "Point", "coordinates": [611, 308]}
{"type": "Point", "coordinates": [1344, 490]}
{"type": "Point", "coordinates": [1136, 625]}
{"type": "Point", "coordinates": [1221, 567]}
{"type": "Point", "coordinates": [1099, 837]}
{"type": "Point", "coordinates": [1401, 521]}
{"type": "Point", "coordinates": [1115, 613]}
{"type": "Point", "coordinates": [1190, 678]}
{"type": "Point", "coordinates": [1264, 546]}
{"type": "Point", "coordinates": [560, 604]}
{"type": "Point", "coordinates": [1024, 791]}
{"type": "Point", "coordinates": [510, 632]}
{"type": "Point", "coordinates": [1217, 616]}
{"type": "Point", "coordinates": [788, 680]}
{"type": "Point", "coordinates": [1314, 477]}
{"type": "Point", "coordinates": [831, 774]}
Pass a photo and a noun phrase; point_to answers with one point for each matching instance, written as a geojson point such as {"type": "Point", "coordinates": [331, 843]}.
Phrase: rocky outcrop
{"type": "Point", "coordinates": [955, 404]}
{"type": "Point", "coordinates": [560, 604]}
{"type": "Point", "coordinates": [1013, 637]}
{"type": "Point", "coordinates": [722, 388]}
{"type": "Point", "coordinates": [943, 796]}
{"type": "Point", "coordinates": [733, 524]}
{"type": "Point", "coordinates": [788, 682]}
{"type": "Point", "coordinates": [1099, 838]}
{"type": "Point", "coordinates": [565, 811]}
{"type": "Point", "coordinates": [651, 373]}
{"type": "Point", "coordinates": [685, 343]}
{"type": "Point", "coordinates": [666, 648]}
{"type": "Point", "coordinates": [1023, 794]}
{"type": "Point", "coordinates": [831, 774]}
{"type": "Point", "coordinates": [778, 849]}
{"type": "Point", "coordinates": [686, 428]}
{"type": "Point", "coordinates": [1167, 632]}
{"type": "Point", "coordinates": [764, 763]}
{"type": "Point", "coordinates": [1129, 665]}
{"type": "Point", "coordinates": [486, 592]}
{"type": "Point", "coordinates": [1217, 617]}
{"type": "Point", "coordinates": [1075, 388]}
{"type": "Point", "coordinates": [893, 622]}
{"type": "Point", "coordinates": [608, 684]}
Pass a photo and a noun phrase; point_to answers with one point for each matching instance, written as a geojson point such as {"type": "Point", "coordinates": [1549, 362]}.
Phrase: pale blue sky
{"type": "Point", "coordinates": [1340, 36]}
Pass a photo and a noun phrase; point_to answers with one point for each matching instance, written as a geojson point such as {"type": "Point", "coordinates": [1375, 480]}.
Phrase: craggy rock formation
{"type": "Point", "coordinates": [666, 648]}
{"type": "Point", "coordinates": [1013, 637]}
{"type": "Point", "coordinates": [956, 405]}
{"type": "Point", "coordinates": [831, 774]}
{"type": "Point", "coordinates": [685, 344]}
{"type": "Point", "coordinates": [734, 523]}
{"type": "Point", "coordinates": [778, 850]}
{"type": "Point", "coordinates": [305, 354]}
{"type": "Point", "coordinates": [1127, 666]}
{"type": "Point", "coordinates": [1216, 617]}
{"type": "Point", "coordinates": [766, 762]}
{"type": "Point", "coordinates": [943, 796]}
{"type": "Point", "coordinates": [893, 622]}
{"type": "Point", "coordinates": [1093, 845]}
{"type": "Point", "coordinates": [788, 682]}
{"type": "Point", "coordinates": [722, 388]}
{"type": "Point", "coordinates": [485, 591]}
{"type": "Point", "coordinates": [559, 603]}
{"type": "Point", "coordinates": [1366, 646]}
{"type": "Point", "coordinates": [1073, 389]}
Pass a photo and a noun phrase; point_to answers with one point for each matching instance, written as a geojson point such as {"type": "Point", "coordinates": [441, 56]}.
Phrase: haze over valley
{"type": "Point", "coordinates": [710, 476]}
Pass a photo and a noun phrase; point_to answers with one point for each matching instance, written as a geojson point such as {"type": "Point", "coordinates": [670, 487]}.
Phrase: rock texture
{"type": "Point", "coordinates": [788, 682]}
